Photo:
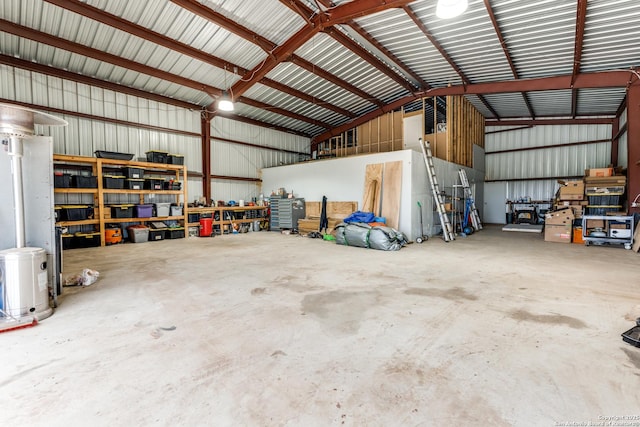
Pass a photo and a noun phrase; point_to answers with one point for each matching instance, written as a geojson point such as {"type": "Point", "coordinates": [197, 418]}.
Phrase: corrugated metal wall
{"type": "Point", "coordinates": [234, 160]}
{"type": "Point", "coordinates": [549, 161]}
{"type": "Point", "coordinates": [83, 136]}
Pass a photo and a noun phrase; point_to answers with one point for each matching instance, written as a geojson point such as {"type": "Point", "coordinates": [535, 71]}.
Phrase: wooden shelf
{"type": "Point", "coordinates": [76, 190]}
{"type": "Point", "coordinates": [81, 222]}
{"type": "Point", "coordinates": [224, 221]}
{"type": "Point", "coordinates": [160, 218]}
{"type": "Point", "coordinates": [177, 172]}
{"type": "Point", "coordinates": [160, 192]}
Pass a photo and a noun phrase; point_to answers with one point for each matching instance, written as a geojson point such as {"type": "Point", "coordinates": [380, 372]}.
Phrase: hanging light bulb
{"type": "Point", "coordinates": [447, 9]}
{"type": "Point", "coordinates": [225, 103]}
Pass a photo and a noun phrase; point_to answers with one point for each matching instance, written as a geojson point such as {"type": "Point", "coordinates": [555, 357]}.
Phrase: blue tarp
{"type": "Point", "coordinates": [359, 216]}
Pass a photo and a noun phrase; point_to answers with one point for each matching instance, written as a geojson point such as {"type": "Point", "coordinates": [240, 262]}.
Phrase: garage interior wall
{"type": "Point", "coordinates": [342, 179]}
{"type": "Point", "coordinates": [623, 147]}
{"type": "Point", "coordinates": [235, 160]}
{"type": "Point", "coordinates": [83, 136]}
{"type": "Point", "coordinates": [525, 171]}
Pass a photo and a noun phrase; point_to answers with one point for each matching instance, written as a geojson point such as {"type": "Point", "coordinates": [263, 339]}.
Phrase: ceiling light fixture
{"type": "Point", "coordinates": [225, 103]}
{"type": "Point", "coordinates": [447, 9]}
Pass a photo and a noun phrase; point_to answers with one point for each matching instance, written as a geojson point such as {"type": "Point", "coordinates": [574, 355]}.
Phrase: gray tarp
{"type": "Point", "coordinates": [363, 235]}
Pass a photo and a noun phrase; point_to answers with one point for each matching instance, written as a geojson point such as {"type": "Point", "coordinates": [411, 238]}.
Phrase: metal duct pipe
{"type": "Point", "coordinates": [15, 151]}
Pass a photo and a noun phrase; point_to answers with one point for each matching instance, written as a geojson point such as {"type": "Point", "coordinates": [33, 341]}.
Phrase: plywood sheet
{"type": "Point", "coordinates": [392, 193]}
{"type": "Point", "coordinates": [372, 188]}
{"type": "Point", "coordinates": [636, 240]}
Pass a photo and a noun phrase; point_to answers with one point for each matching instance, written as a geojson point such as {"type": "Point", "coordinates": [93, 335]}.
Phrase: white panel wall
{"type": "Point", "coordinates": [342, 179]}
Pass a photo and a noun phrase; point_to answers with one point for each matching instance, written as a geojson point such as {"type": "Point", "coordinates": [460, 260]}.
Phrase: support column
{"type": "Point", "coordinates": [206, 155]}
{"type": "Point", "coordinates": [633, 143]}
{"type": "Point", "coordinates": [615, 128]}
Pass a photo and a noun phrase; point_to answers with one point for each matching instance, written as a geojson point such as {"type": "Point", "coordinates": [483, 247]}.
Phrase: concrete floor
{"type": "Point", "coordinates": [272, 330]}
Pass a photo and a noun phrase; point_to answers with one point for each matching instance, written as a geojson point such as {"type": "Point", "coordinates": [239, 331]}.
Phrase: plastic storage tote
{"type": "Point", "coordinates": [138, 233]}
{"type": "Point", "coordinates": [143, 211]}
{"type": "Point", "coordinates": [121, 211]}
{"type": "Point", "coordinates": [162, 209]}
{"type": "Point", "coordinates": [157, 156]}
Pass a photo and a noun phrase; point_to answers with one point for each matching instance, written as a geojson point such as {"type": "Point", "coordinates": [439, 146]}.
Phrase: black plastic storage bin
{"type": "Point", "coordinates": [67, 241]}
{"type": "Point", "coordinates": [175, 159]}
{"type": "Point", "coordinates": [632, 336]}
{"type": "Point", "coordinates": [193, 217]}
{"type": "Point", "coordinates": [113, 182]}
{"type": "Point", "coordinates": [79, 181]}
{"type": "Point", "coordinates": [133, 173]}
{"type": "Point", "coordinates": [157, 156]}
{"type": "Point", "coordinates": [113, 155]}
{"type": "Point", "coordinates": [122, 211]}
{"type": "Point", "coordinates": [602, 210]}
{"type": "Point", "coordinates": [175, 233]}
{"type": "Point", "coordinates": [238, 215]}
{"type": "Point", "coordinates": [153, 183]}
{"type": "Point", "coordinates": [86, 240]}
{"type": "Point", "coordinates": [172, 185]}
{"type": "Point", "coordinates": [156, 234]}
{"type": "Point", "coordinates": [61, 180]}
{"type": "Point", "coordinates": [605, 200]}
{"type": "Point", "coordinates": [134, 184]}
{"type": "Point", "coordinates": [75, 212]}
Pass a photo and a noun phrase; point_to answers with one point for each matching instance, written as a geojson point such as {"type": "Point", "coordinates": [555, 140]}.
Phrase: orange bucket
{"type": "Point", "coordinates": [577, 235]}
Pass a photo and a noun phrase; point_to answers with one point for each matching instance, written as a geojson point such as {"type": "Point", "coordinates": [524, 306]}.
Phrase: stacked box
{"type": "Point", "coordinates": [571, 190]}
{"type": "Point", "coordinates": [134, 184]}
{"type": "Point", "coordinates": [86, 240]}
{"type": "Point", "coordinates": [75, 212]}
{"type": "Point", "coordinates": [143, 211]}
{"type": "Point", "coordinates": [61, 180]}
{"type": "Point", "coordinates": [133, 173]}
{"type": "Point", "coordinates": [162, 209]}
{"type": "Point", "coordinates": [80, 181]}
{"type": "Point", "coordinates": [558, 226]}
{"type": "Point", "coordinates": [122, 211]}
{"type": "Point", "coordinates": [138, 233]}
{"type": "Point", "coordinates": [115, 182]}
{"type": "Point", "coordinates": [175, 159]}
{"type": "Point", "coordinates": [154, 156]}
{"type": "Point", "coordinates": [175, 233]}
{"type": "Point", "coordinates": [153, 183]}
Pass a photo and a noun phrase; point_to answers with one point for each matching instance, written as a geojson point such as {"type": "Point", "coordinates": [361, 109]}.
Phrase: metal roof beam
{"type": "Point", "coordinates": [368, 57]}
{"type": "Point", "coordinates": [582, 80]}
{"type": "Point", "coordinates": [219, 19]}
{"type": "Point", "coordinates": [237, 118]}
{"type": "Point", "coordinates": [540, 122]}
{"type": "Point", "coordinates": [312, 68]}
{"type": "Point", "coordinates": [339, 14]}
{"type": "Point", "coordinates": [160, 39]}
{"type": "Point", "coordinates": [503, 43]}
{"type": "Point", "coordinates": [368, 37]}
{"type": "Point", "coordinates": [581, 17]}
{"type": "Point", "coordinates": [80, 78]}
{"type": "Point", "coordinates": [309, 98]}
{"type": "Point", "coordinates": [281, 111]}
{"type": "Point", "coordinates": [445, 55]}
{"type": "Point", "coordinates": [48, 39]}
{"type": "Point", "coordinates": [114, 21]}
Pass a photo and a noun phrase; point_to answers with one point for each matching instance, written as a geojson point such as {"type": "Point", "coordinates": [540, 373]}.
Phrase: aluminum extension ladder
{"type": "Point", "coordinates": [473, 211]}
{"type": "Point", "coordinates": [447, 230]}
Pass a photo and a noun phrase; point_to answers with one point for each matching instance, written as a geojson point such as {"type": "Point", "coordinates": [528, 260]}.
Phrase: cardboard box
{"type": "Point", "coordinates": [598, 172]}
{"type": "Point", "coordinates": [595, 223]}
{"type": "Point", "coordinates": [560, 217]}
{"type": "Point", "coordinates": [558, 233]}
{"type": "Point", "coordinates": [571, 190]}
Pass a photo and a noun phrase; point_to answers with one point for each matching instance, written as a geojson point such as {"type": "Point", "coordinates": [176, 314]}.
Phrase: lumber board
{"type": "Point", "coordinates": [636, 240]}
{"type": "Point", "coordinates": [338, 210]}
{"type": "Point", "coordinates": [372, 188]}
{"type": "Point", "coordinates": [392, 193]}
